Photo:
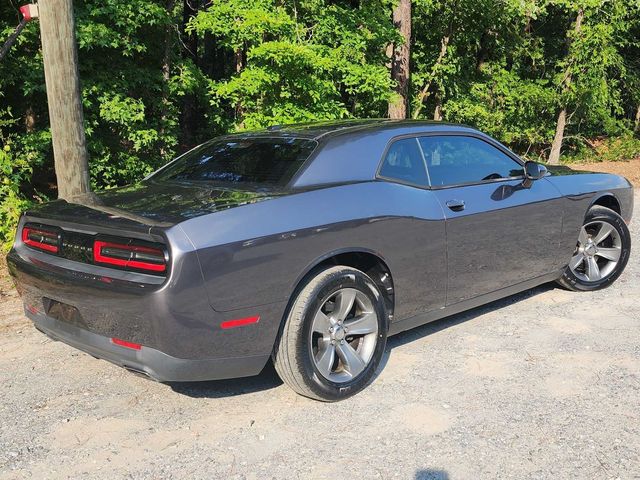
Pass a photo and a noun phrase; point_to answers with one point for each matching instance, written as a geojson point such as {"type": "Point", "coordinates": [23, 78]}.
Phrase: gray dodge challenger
{"type": "Point", "coordinates": [309, 245]}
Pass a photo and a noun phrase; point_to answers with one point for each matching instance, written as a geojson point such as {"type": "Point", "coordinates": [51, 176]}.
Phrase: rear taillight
{"type": "Point", "coordinates": [41, 238]}
{"type": "Point", "coordinates": [129, 256]}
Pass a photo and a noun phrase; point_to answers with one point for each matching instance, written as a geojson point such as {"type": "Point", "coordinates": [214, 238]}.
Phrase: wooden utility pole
{"type": "Point", "coordinates": [60, 56]}
{"type": "Point", "coordinates": [400, 56]}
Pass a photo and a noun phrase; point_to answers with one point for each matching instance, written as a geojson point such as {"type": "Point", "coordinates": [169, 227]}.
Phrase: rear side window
{"type": "Point", "coordinates": [263, 161]}
{"type": "Point", "coordinates": [404, 162]}
{"type": "Point", "coordinates": [453, 160]}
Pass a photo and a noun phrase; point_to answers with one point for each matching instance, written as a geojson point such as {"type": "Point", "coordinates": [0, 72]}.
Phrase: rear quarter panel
{"type": "Point", "coordinates": [256, 254]}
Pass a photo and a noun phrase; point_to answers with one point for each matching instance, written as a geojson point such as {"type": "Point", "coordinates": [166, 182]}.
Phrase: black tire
{"type": "Point", "coordinates": [292, 355]}
{"type": "Point", "coordinates": [601, 214]}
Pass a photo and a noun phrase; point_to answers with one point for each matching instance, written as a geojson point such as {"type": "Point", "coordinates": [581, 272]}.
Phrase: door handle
{"type": "Point", "coordinates": [455, 205]}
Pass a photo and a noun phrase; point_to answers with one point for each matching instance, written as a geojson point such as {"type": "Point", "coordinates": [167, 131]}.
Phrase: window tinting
{"type": "Point", "coordinates": [404, 162]}
{"type": "Point", "coordinates": [269, 161]}
{"type": "Point", "coordinates": [453, 160]}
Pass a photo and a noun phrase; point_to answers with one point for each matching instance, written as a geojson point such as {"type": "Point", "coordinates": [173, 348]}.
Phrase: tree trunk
{"type": "Point", "coordinates": [437, 113]}
{"type": "Point", "coordinates": [166, 76]}
{"type": "Point", "coordinates": [60, 57]}
{"type": "Point", "coordinates": [238, 58]}
{"type": "Point", "coordinates": [30, 120]}
{"type": "Point", "coordinates": [168, 46]}
{"type": "Point", "coordinates": [425, 91]}
{"type": "Point", "coordinates": [556, 146]}
{"type": "Point", "coordinates": [12, 38]}
{"type": "Point", "coordinates": [400, 57]}
{"type": "Point", "coordinates": [636, 126]}
{"type": "Point", "coordinates": [483, 52]}
{"type": "Point", "coordinates": [189, 117]}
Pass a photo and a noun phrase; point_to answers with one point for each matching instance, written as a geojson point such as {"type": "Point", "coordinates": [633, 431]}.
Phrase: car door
{"type": "Point", "coordinates": [416, 237]}
{"type": "Point", "coordinates": [500, 231]}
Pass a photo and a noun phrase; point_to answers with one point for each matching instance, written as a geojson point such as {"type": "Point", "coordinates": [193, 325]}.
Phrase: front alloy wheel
{"type": "Point", "coordinates": [601, 253]}
{"type": "Point", "coordinates": [597, 253]}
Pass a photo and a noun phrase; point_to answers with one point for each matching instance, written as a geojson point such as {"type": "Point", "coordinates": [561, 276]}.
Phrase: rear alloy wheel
{"type": "Point", "coordinates": [334, 337]}
{"type": "Point", "coordinates": [343, 335]}
{"type": "Point", "coordinates": [601, 253]}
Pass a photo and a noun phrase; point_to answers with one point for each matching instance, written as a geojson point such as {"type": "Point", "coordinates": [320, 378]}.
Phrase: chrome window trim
{"type": "Point", "coordinates": [478, 136]}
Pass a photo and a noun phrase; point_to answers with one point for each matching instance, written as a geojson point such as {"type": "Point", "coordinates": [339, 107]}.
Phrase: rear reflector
{"type": "Point", "coordinates": [239, 322]}
{"type": "Point", "coordinates": [125, 344]}
{"type": "Point", "coordinates": [33, 309]}
{"type": "Point", "coordinates": [129, 256]}
{"type": "Point", "coordinates": [41, 239]}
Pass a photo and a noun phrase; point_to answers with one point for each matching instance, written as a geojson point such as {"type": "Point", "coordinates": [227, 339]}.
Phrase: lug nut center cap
{"type": "Point", "coordinates": [590, 249]}
{"type": "Point", "coordinates": [338, 333]}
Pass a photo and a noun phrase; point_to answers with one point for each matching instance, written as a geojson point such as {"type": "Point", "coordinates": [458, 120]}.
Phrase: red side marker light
{"type": "Point", "coordinates": [33, 309]}
{"type": "Point", "coordinates": [125, 344]}
{"type": "Point", "coordinates": [239, 322]}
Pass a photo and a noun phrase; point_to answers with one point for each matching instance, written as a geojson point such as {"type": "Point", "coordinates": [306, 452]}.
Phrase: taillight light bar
{"type": "Point", "coordinates": [41, 238]}
{"type": "Point", "coordinates": [129, 256]}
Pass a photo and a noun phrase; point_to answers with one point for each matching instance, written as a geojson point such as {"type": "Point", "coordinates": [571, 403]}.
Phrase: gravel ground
{"type": "Point", "coordinates": [544, 384]}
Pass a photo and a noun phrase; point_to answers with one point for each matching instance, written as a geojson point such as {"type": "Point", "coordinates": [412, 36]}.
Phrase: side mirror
{"type": "Point", "coordinates": [533, 171]}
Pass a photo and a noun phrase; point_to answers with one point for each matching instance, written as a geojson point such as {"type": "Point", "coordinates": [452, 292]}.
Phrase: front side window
{"type": "Point", "coordinates": [261, 161]}
{"type": "Point", "coordinates": [404, 162]}
{"type": "Point", "coordinates": [454, 160]}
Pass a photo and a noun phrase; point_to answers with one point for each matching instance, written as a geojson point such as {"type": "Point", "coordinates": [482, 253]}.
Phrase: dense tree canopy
{"type": "Point", "coordinates": [160, 76]}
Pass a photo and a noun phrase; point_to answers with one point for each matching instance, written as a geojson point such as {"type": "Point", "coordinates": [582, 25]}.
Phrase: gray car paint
{"type": "Point", "coordinates": [239, 253]}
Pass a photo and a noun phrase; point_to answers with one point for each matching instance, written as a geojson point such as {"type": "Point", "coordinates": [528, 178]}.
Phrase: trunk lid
{"type": "Point", "coordinates": [140, 207]}
{"type": "Point", "coordinates": [120, 228]}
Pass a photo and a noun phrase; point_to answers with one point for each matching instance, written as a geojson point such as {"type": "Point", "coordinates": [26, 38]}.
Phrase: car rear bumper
{"type": "Point", "coordinates": [148, 361]}
{"type": "Point", "coordinates": [182, 337]}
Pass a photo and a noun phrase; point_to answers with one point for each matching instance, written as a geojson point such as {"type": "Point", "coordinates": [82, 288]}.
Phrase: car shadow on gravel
{"type": "Point", "coordinates": [433, 327]}
{"type": "Point", "coordinates": [268, 378]}
{"type": "Point", "coordinates": [431, 474]}
{"type": "Point", "coordinates": [453, 320]}
{"type": "Point", "coordinates": [265, 380]}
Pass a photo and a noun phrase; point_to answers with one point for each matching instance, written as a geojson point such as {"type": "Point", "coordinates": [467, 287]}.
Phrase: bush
{"type": "Point", "coordinates": [12, 203]}
{"type": "Point", "coordinates": [605, 149]}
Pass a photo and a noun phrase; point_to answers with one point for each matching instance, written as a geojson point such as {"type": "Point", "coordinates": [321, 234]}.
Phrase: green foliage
{"type": "Point", "coordinates": [241, 23]}
{"type": "Point", "coordinates": [14, 170]}
{"type": "Point", "coordinates": [302, 60]}
{"type": "Point", "coordinates": [607, 149]}
{"type": "Point", "coordinates": [159, 76]}
{"type": "Point", "coordinates": [517, 111]}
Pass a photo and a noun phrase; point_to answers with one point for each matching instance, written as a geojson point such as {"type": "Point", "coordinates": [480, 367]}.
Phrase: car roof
{"type": "Point", "coordinates": [331, 128]}
{"type": "Point", "coordinates": [350, 150]}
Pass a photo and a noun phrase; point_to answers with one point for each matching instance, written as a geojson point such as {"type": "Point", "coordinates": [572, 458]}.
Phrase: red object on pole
{"type": "Point", "coordinates": [29, 11]}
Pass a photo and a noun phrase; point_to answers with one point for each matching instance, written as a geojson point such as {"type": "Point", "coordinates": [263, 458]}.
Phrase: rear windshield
{"type": "Point", "coordinates": [268, 161]}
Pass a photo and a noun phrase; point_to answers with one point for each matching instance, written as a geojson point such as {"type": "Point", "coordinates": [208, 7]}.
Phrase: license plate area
{"type": "Point", "coordinates": [63, 312]}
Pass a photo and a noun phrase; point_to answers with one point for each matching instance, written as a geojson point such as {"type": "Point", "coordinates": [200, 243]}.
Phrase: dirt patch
{"type": "Point", "coordinates": [420, 418]}
{"type": "Point", "coordinates": [629, 169]}
{"type": "Point", "coordinates": [11, 317]}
